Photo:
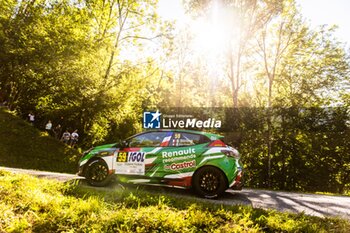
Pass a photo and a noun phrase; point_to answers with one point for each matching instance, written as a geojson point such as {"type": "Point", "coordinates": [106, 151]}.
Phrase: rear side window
{"type": "Point", "coordinates": [187, 139]}
{"type": "Point", "coordinates": [152, 139]}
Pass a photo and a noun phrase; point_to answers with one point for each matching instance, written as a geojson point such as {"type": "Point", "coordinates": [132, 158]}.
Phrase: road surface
{"type": "Point", "coordinates": [310, 204]}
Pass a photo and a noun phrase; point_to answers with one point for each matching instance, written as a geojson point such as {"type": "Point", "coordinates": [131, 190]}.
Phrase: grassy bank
{"type": "Point", "coordinates": [33, 205]}
{"type": "Point", "coordinates": [23, 146]}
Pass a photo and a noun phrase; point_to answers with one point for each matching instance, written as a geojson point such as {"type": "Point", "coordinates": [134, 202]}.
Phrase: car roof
{"type": "Point", "coordinates": [211, 136]}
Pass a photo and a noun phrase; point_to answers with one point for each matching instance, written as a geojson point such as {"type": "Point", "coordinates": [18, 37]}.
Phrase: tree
{"type": "Point", "coordinates": [65, 59]}
{"type": "Point", "coordinates": [246, 19]}
{"type": "Point", "coordinates": [274, 41]}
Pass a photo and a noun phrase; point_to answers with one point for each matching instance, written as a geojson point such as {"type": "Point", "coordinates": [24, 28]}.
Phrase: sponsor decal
{"type": "Point", "coordinates": [170, 154]}
{"type": "Point", "coordinates": [166, 140]}
{"type": "Point", "coordinates": [151, 120]}
{"type": "Point", "coordinates": [179, 158]}
{"type": "Point", "coordinates": [130, 163]}
{"type": "Point", "coordinates": [182, 165]}
{"type": "Point", "coordinates": [104, 153]}
{"type": "Point", "coordinates": [131, 157]}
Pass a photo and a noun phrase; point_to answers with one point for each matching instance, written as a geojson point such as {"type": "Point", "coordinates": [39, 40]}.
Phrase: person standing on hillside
{"type": "Point", "coordinates": [57, 131]}
{"type": "Point", "coordinates": [31, 118]}
{"type": "Point", "coordinates": [61, 122]}
{"type": "Point", "coordinates": [65, 137]}
{"type": "Point", "coordinates": [4, 104]}
{"type": "Point", "coordinates": [74, 138]}
{"type": "Point", "coordinates": [48, 127]}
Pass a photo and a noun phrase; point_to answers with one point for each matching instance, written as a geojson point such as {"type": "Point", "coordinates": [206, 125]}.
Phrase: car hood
{"type": "Point", "coordinates": [103, 147]}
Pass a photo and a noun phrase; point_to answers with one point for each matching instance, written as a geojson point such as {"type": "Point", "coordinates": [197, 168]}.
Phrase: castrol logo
{"type": "Point", "coordinates": [182, 165]}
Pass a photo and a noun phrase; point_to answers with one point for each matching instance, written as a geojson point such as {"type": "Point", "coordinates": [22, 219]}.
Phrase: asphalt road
{"type": "Point", "coordinates": [310, 204]}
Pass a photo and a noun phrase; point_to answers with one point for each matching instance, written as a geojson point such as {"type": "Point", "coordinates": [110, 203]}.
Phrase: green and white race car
{"type": "Point", "coordinates": [180, 158]}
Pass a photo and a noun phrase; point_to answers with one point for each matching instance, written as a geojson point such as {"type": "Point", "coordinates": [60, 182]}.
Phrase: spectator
{"type": "Point", "coordinates": [48, 127]}
{"type": "Point", "coordinates": [4, 104]}
{"type": "Point", "coordinates": [57, 131]}
{"type": "Point", "coordinates": [74, 138]}
{"type": "Point", "coordinates": [61, 122]}
{"type": "Point", "coordinates": [31, 118]}
{"type": "Point", "coordinates": [65, 137]}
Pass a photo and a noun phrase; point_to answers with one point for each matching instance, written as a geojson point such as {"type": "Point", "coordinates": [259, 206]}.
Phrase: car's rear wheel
{"type": "Point", "coordinates": [209, 182]}
{"type": "Point", "coordinates": [97, 173]}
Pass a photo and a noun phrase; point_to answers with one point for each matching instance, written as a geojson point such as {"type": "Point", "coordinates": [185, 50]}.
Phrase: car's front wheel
{"type": "Point", "coordinates": [209, 182]}
{"type": "Point", "coordinates": [97, 173]}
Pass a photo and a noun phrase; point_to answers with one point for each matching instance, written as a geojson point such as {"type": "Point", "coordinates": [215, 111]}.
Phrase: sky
{"type": "Point", "coordinates": [316, 12]}
{"type": "Point", "coordinates": [330, 12]}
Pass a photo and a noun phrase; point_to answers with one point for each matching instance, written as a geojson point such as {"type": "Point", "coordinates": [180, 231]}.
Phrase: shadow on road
{"type": "Point", "coordinates": [310, 204]}
{"type": "Point", "coordinates": [228, 198]}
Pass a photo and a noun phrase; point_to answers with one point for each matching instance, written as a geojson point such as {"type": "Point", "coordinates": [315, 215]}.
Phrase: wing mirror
{"type": "Point", "coordinates": [122, 144]}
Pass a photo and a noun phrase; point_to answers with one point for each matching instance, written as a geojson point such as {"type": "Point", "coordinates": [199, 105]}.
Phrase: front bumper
{"type": "Point", "coordinates": [80, 171]}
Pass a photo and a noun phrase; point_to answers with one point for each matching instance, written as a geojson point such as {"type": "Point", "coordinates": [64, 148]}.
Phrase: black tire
{"type": "Point", "coordinates": [97, 174]}
{"type": "Point", "coordinates": [209, 182]}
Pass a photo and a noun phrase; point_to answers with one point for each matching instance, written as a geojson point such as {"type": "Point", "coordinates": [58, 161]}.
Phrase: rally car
{"type": "Point", "coordinates": [177, 158]}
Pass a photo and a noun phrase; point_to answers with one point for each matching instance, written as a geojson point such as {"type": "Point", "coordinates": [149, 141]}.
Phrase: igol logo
{"type": "Point", "coordinates": [136, 157]}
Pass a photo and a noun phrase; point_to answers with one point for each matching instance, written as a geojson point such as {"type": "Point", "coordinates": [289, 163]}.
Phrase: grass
{"type": "Point", "coordinates": [32, 205]}
{"type": "Point", "coordinates": [23, 146]}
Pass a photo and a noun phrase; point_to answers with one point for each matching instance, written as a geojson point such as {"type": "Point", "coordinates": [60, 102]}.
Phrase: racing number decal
{"type": "Point", "coordinates": [130, 163]}
{"type": "Point", "coordinates": [122, 157]}
{"type": "Point", "coordinates": [176, 139]}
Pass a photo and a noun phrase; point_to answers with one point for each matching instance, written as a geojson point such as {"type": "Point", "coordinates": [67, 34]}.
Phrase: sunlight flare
{"type": "Point", "coordinates": [214, 34]}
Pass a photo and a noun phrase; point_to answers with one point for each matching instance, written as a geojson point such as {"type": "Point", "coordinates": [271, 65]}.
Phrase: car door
{"type": "Point", "coordinates": [137, 163]}
{"type": "Point", "coordinates": [180, 158]}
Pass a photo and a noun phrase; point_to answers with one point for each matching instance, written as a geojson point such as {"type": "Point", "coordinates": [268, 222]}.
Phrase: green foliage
{"type": "Point", "coordinates": [63, 59]}
{"type": "Point", "coordinates": [24, 146]}
{"type": "Point", "coordinates": [33, 205]}
{"type": "Point", "coordinates": [309, 147]}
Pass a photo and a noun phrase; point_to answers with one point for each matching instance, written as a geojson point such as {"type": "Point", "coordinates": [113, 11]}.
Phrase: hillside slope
{"type": "Point", "coordinates": [23, 146]}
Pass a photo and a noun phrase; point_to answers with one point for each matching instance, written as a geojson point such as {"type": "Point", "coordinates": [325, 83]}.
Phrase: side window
{"type": "Point", "coordinates": [187, 139]}
{"type": "Point", "coordinates": [151, 139]}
